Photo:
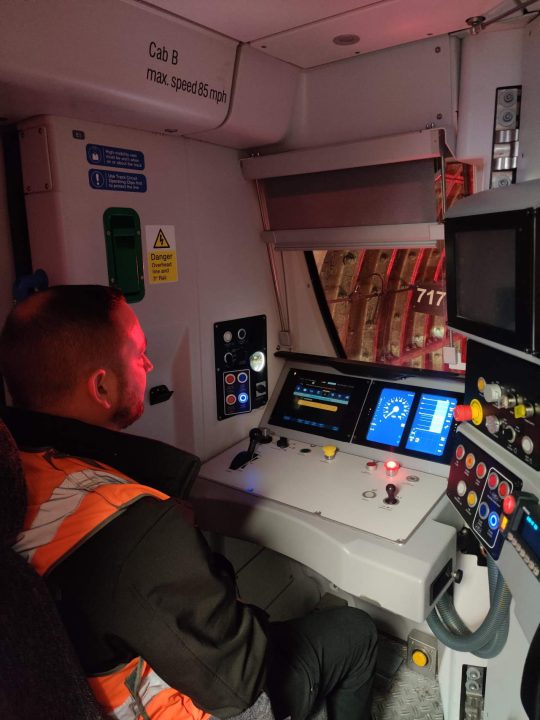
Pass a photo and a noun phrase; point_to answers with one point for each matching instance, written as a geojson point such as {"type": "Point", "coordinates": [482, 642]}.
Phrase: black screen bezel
{"type": "Point", "coordinates": [372, 399]}
{"type": "Point", "coordinates": [353, 410]}
{"type": "Point", "coordinates": [523, 222]}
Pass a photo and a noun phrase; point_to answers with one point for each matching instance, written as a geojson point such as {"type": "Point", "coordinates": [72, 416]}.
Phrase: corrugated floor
{"type": "Point", "coordinates": [401, 693]}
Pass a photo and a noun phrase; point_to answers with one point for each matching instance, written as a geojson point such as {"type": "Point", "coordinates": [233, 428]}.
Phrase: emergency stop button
{"type": "Point", "coordinates": [473, 412]}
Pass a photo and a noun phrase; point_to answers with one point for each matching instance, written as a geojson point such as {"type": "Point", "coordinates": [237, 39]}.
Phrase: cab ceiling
{"type": "Point", "coordinates": [304, 32]}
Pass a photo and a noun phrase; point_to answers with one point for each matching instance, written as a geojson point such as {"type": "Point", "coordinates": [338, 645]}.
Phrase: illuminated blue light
{"type": "Point", "coordinates": [493, 520]}
{"type": "Point", "coordinates": [243, 398]}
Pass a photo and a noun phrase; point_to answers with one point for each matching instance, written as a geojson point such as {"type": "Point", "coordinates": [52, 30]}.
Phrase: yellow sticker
{"type": "Point", "coordinates": [161, 254]}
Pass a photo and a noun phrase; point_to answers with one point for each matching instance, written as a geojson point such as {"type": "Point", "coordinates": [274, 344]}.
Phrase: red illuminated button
{"type": "Point", "coordinates": [391, 467]}
{"type": "Point", "coordinates": [460, 452]}
{"type": "Point", "coordinates": [481, 470]}
{"type": "Point", "coordinates": [229, 378]}
{"type": "Point", "coordinates": [493, 480]}
{"type": "Point", "coordinates": [462, 413]}
{"type": "Point", "coordinates": [503, 489]}
{"type": "Point", "coordinates": [230, 399]}
{"type": "Point", "coordinates": [509, 504]}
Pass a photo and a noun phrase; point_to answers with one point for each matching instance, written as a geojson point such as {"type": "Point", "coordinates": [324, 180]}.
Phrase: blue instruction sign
{"type": "Point", "coordinates": [116, 181]}
{"type": "Point", "coordinates": [114, 157]}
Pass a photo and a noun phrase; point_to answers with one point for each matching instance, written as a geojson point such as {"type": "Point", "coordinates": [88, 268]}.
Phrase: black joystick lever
{"type": "Point", "coordinates": [391, 491]}
{"type": "Point", "coordinates": [256, 436]}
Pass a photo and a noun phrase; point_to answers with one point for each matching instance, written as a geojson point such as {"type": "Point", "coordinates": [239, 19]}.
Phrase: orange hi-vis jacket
{"type": "Point", "coordinates": [70, 499]}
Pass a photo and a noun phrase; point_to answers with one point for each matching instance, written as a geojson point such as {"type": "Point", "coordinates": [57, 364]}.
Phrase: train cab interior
{"type": "Point", "coordinates": [325, 215]}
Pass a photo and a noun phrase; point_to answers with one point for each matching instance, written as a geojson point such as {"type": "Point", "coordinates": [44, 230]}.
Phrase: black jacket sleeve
{"type": "Point", "coordinates": [147, 584]}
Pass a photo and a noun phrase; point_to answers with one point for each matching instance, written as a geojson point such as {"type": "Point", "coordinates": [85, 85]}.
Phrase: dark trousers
{"type": "Point", "coordinates": [327, 657]}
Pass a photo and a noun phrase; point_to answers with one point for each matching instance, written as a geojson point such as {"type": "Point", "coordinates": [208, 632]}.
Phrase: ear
{"type": "Point", "coordinates": [100, 387]}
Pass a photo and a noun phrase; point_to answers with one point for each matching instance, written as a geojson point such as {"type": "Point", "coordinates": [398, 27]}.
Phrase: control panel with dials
{"type": "Point", "coordinates": [401, 419]}
{"type": "Point", "coordinates": [504, 399]}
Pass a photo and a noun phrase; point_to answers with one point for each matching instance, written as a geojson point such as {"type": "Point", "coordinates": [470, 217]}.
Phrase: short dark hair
{"type": "Point", "coordinates": [55, 337]}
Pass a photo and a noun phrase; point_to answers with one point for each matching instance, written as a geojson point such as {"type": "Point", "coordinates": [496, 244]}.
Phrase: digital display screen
{"type": "Point", "coordinates": [431, 424]}
{"type": "Point", "coordinates": [488, 298]}
{"type": "Point", "coordinates": [529, 531]}
{"type": "Point", "coordinates": [390, 417]}
{"type": "Point", "coordinates": [320, 403]}
{"type": "Point", "coordinates": [408, 419]}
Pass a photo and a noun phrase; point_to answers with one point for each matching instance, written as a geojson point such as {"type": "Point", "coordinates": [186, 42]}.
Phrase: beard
{"type": "Point", "coordinates": [127, 414]}
{"type": "Point", "coordinates": [130, 409]}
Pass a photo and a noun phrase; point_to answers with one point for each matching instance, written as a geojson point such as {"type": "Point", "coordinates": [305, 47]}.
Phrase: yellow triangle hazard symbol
{"type": "Point", "coordinates": [161, 240]}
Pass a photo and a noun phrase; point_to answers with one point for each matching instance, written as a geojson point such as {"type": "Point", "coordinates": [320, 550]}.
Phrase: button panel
{"type": "Point", "coordinates": [477, 486]}
{"type": "Point", "coordinates": [507, 390]}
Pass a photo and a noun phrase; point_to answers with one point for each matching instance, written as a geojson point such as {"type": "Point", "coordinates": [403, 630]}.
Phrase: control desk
{"type": "Point", "coordinates": [348, 476]}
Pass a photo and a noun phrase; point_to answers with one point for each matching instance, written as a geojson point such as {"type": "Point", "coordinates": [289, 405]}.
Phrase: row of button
{"type": "Point", "coordinates": [230, 399]}
{"type": "Point", "coordinates": [524, 555]}
{"type": "Point", "coordinates": [481, 470]}
{"type": "Point", "coordinates": [230, 378]}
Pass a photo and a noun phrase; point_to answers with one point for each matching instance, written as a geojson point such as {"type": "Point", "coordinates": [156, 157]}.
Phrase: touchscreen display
{"type": "Point", "coordinates": [431, 424]}
{"type": "Point", "coordinates": [408, 419]}
{"type": "Point", "coordinates": [320, 403]}
{"type": "Point", "coordinates": [390, 417]}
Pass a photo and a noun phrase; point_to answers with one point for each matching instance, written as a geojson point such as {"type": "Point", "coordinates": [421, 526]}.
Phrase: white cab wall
{"type": "Point", "coordinates": [401, 89]}
{"type": "Point", "coordinates": [198, 190]}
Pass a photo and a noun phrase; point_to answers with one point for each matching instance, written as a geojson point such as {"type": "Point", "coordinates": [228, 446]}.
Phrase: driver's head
{"type": "Point", "coordinates": [76, 351]}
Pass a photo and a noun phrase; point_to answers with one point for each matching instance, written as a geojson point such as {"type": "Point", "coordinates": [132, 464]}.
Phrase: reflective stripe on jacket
{"type": "Point", "coordinates": [70, 499]}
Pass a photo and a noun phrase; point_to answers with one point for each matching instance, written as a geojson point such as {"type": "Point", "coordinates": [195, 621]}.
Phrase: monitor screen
{"type": "Point", "coordinates": [485, 265]}
{"type": "Point", "coordinates": [390, 417]}
{"type": "Point", "coordinates": [320, 403]}
{"type": "Point", "coordinates": [431, 424]}
{"type": "Point", "coordinates": [409, 420]}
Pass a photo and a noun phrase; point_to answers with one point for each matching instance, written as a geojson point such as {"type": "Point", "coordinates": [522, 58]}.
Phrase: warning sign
{"type": "Point", "coordinates": [161, 240]}
{"type": "Point", "coordinates": [161, 253]}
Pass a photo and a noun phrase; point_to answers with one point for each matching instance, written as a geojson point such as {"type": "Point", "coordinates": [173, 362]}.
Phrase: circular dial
{"type": "Point", "coordinates": [397, 407]}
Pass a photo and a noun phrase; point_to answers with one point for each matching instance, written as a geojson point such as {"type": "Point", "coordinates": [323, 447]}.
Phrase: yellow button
{"type": "Point", "coordinates": [472, 499]}
{"type": "Point", "coordinates": [481, 384]}
{"type": "Point", "coordinates": [329, 451]}
{"type": "Point", "coordinates": [420, 658]}
{"type": "Point", "coordinates": [477, 412]}
{"type": "Point", "coordinates": [520, 411]}
{"type": "Point", "coordinates": [504, 523]}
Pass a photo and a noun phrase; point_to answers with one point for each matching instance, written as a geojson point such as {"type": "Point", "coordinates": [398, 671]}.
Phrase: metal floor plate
{"type": "Point", "coordinates": [403, 694]}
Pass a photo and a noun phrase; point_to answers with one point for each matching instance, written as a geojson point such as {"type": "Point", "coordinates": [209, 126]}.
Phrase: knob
{"type": "Point", "coordinates": [508, 433]}
{"type": "Point", "coordinates": [283, 442]}
{"type": "Point", "coordinates": [391, 491]}
{"type": "Point", "coordinates": [527, 445]}
{"type": "Point", "coordinates": [492, 392]}
{"type": "Point", "coordinates": [493, 424]}
{"type": "Point", "coordinates": [509, 401]}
